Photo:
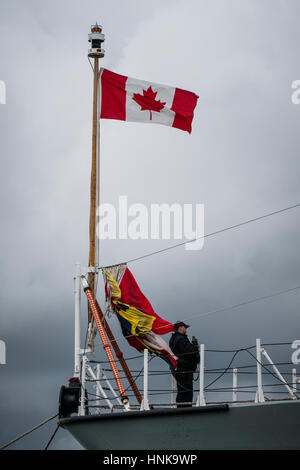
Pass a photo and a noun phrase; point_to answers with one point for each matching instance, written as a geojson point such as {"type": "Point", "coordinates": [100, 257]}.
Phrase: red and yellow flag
{"type": "Point", "coordinates": [140, 325]}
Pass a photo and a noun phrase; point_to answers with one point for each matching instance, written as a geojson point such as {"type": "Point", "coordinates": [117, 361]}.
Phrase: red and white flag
{"type": "Point", "coordinates": [129, 99]}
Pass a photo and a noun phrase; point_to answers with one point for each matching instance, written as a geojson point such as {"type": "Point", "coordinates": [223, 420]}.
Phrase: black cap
{"type": "Point", "coordinates": [180, 323]}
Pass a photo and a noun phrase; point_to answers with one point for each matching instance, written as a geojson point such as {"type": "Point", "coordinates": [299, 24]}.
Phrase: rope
{"type": "Point", "coordinates": [51, 438]}
{"type": "Point", "coordinates": [225, 370]}
{"type": "Point", "coordinates": [230, 389]}
{"type": "Point", "coordinates": [231, 307]}
{"type": "Point", "coordinates": [149, 360]}
{"type": "Point", "coordinates": [229, 350]}
{"type": "Point", "coordinates": [285, 291]}
{"type": "Point", "coordinates": [209, 371]}
{"type": "Point", "coordinates": [29, 431]}
{"type": "Point", "coordinates": [231, 227]}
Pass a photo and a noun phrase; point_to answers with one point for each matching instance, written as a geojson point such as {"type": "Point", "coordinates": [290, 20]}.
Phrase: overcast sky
{"type": "Point", "coordinates": [241, 161]}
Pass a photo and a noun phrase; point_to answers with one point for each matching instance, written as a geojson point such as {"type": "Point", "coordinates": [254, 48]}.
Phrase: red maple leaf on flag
{"type": "Point", "coordinates": [148, 102]}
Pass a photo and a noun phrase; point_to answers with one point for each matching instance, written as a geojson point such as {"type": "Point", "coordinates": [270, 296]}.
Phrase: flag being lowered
{"type": "Point", "coordinates": [140, 325]}
{"type": "Point", "coordinates": [128, 99]}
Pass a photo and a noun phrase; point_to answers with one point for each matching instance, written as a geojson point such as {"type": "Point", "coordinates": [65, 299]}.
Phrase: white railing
{"type": "Point", "coordinates": [234, 384]}
{"type": "Point", "coordinates": [201, 397]}
{"type": "Point", "coordinates": [101, 382]}
{"type": "Point", "coordinates": [145, 402]}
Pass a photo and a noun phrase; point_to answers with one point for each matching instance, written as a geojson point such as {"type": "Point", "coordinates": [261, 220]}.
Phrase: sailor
{"type": "Point", "coordinates": [188, 358]}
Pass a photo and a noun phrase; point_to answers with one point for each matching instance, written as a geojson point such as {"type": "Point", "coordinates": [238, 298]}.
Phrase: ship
{"type": "Point", "coordinates": [235, 426]}
{"type": "Point", "coordinates": [110, 419]}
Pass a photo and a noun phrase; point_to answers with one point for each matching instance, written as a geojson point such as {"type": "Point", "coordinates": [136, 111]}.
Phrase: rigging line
{"type": "Point", "coordinates": [207, 235]}
{"type": "Point", "coordinates": [86, 337]}
{"type": "Point", "coordinates": [225, 370]}
{"type": "Point", "coordinates": [91, 64]}
{"type": "Point", "coordinates": [228, 367]}
{"type": "Point", "coordinates": [250, 347]}
{"type": "Point", "coordinates": [250, 366]}
{"type": "Point", "coordinates": [149, 360]}
{"type": "Point", "coordinates": [208, 371]}
{"type": "Point", "coordinates": [137, 376]}
{"type": "Point", "coordinates": [29, 431]}
{"type": "Point", "coordinates": [52, 437]}
{"type": "Point", "coordinates": [228, 350]}
{"type": "Point", "coordinates": [247, 386]}
{"type": "Point", "coordinates": [224, 389]}
{"type": "Point", "coordinates": [231, 307]}
{"type": "Point", "coordinates": [285, 291]}
{"type": "Point", "coordinates": [219, 369]}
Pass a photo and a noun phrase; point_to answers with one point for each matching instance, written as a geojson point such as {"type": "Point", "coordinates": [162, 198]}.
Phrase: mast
{"type": "Point", "coordinates": [96, 38]}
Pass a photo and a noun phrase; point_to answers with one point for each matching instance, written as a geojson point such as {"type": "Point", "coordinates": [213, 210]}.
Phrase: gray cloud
{"type": "Point", "coordinates": [241, 161]}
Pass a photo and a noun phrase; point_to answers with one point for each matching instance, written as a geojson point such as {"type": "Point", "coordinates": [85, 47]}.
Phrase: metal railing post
{"type": "Point", "coordinates": [294, 372]}
{"type": "Point", "coordinates": [111, 388]}
{"type": "Point", "coordinates": [201, 398]}
{"type": "Point", "coordinates": [260, 394]}
{"type": "Point", "coordinates": [234, 385]}
{"type": "Point", "coordinates": [77, 292]}
{"type": "Point", "coordinates": [100, 388]}
{"type": "Point", "coordinates": [98, 375]}
{"type": "Point", "coordinates": [145, 402]}
{"type": "Point", "coordinates": [83, 383]}
{"type": "Point", "coordinates": [173, 385]}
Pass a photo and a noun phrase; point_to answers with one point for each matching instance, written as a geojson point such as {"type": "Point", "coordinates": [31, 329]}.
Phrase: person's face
{"type": "Point", "coordinates": [182, 330]}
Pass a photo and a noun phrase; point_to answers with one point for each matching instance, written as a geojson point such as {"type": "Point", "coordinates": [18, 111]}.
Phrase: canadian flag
{"type": "Point", "coordinates": [129, 99]}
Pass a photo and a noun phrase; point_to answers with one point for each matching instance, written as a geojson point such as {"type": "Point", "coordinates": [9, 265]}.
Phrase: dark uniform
{"type": "Point", "coordinates": [188, 358]}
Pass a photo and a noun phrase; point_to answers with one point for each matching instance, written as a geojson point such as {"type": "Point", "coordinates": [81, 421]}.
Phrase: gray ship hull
{"type": "Point", "coordinates": [271, 425]}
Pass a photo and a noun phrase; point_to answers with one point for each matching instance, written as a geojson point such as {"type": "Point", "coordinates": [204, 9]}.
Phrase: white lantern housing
{"type": "Point", "coordinates": [96, 38]}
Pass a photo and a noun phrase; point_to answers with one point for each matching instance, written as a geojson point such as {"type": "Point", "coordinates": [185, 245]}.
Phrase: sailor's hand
{"type": "Point", "coordinates": [195, 343]}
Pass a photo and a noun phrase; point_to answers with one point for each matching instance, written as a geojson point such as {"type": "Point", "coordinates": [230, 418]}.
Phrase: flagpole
{"type": "Point", "coordinates": [96, 38]}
